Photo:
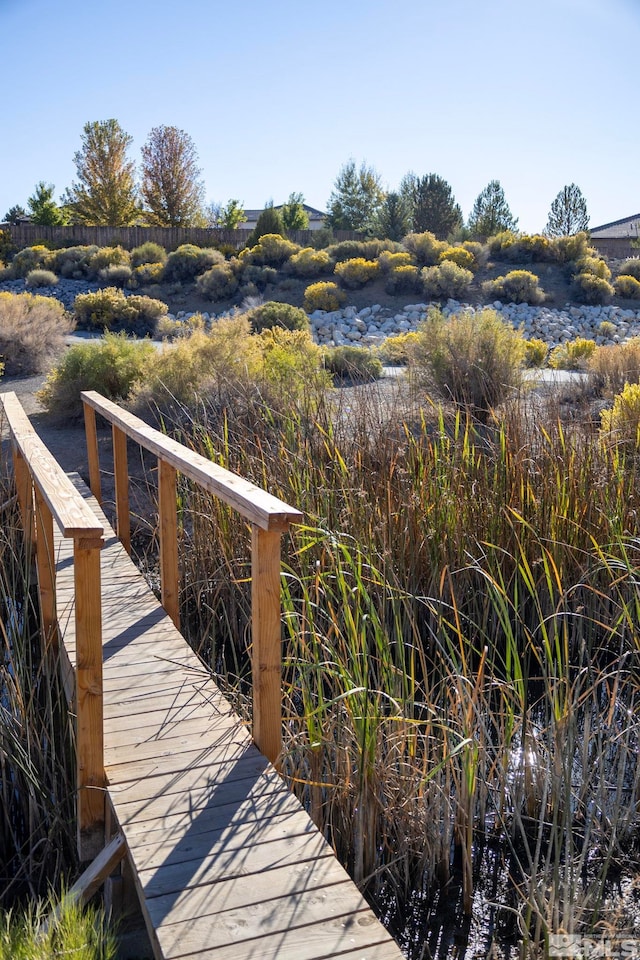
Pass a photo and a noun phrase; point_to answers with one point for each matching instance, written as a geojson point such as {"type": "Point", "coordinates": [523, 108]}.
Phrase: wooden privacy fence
{"type": "Point", "coordinates": [269, 519]}
{"type": "Point", "coordinates": [46, 494]}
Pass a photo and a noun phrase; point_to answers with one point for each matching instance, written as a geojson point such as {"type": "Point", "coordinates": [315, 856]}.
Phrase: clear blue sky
{"type": "Point", "coordinates": [278, 95]}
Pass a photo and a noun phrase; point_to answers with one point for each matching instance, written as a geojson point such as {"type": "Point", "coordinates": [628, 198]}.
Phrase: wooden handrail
{"type": "Point", "coordinates": [73, 516]}
{"type": "Point", "coordinates": [250, 501]}
{"type": "Point", "coordinates": [269, 518]}
{"type": "Point", "coordinates": [46, 494]}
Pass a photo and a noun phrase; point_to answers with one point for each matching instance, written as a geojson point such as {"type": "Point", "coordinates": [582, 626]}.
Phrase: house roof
{"type": "Point", "coordinates": [625, 228]}
{"type": "Point", "coordinates": [311, 212]}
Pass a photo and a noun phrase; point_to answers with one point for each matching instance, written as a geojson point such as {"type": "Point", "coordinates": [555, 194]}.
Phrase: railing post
{"type": "Point", "coordinates": [45, 562]}
{"type": "Point", "coordinates": [168, 520]}
{"type": "Point", "coordinates": [24, 490]}
{"type": "Point", "coordinates": [121, 475]}
{"type": "Point", "coordinates": [266, 653]}
{"type": "Point", "coordinates": [89, 705]}
{"type": "Point", "coordinates": [93, 457]}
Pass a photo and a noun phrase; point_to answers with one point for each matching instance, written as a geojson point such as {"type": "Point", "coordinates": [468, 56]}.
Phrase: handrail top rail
{"type": "Point", "coordinates": [251, 501]}
{"type": "Point", "coordinates": [73, 516]}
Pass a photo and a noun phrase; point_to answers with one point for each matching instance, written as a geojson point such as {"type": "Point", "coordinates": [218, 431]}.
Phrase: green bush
{"type": "Point", "coordinates": [262, 277]}
{"type": "Point", "coordinates": [291, 366]}
{"type": "Point", "coordinates": [353, 364]}
{"type": "Point", "coordinates": [111, 366]}
{"type": "Point", "coordinates": [116, 274]}
{"type": "Point", "coordinates": [517, 286]}
{"type": "Point", "coordinates": [275, 314]}
{"type": "Point", "coordinates": [73, 262]}
{"type": "Point", "coordinates": [106, 257]}
{"type": "Point", "coordinates": [389, 261]}
{"type": "Point", "coordinates": [627, 286]}
{"type": "Point", "coordinates": [357, 272]}
{"type": "Point", "coordinates": [38, 257]}
{"type": "Point", "coordinates": [271, 250]}
{"type": "Point", "coordinates": [323, 296]}
{"type": "Point", "coordinates": [477, 250]}
{"type": "Point", "coordinates": [148, 273]}
{"type": "Point", "coordinates": [188, 262]}
{"type": "Point", "coordinates": [220, 360]}
{"type": "Point", "coordinates": [522, 248]}
{"type": "Point", "coordinates": [473, 359]}
{"type": "Point", "coordinates": [109, 309]}
{"type": "Point", "coordinates": [572, 355]}
{"type": "Point", "coordinates": [32, 332]}
{"type": "Point", "coordinates": [535, 353]}
{"type": "Point", "coordinates": [445, 280]}
{"type": "Point", "coordinates": [148, 252]}
{"type": "Point", "coordinates": [405, 279]}
{"type": "Point", "coordinates": [573, 248]}
{"type": "Point", "coordinates": [309, 263]}
{"type": "Point", "coordinates": [622, 422]}
{"type": "Point", "coordinates": [397, 350]}
{"type": "Point", "coordinates": [367, 249]}
{"type": "Point", "coordinates": [40, 278]}
{"type": "Point", "coordinates": [631, 268]}
{"type": "Point", "coordinates": [218, 283]}
{"type": "Point", "coordinates": [461, 256]}
{"type": "Point", "coordinates": [588, 288]}
{"type": "Point", "coordinates": [424, 247]}
{"type": "Point", "coordinates": [596, 266]}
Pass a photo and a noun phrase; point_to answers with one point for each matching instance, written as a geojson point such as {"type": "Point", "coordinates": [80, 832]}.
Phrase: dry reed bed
{"type": "Point", "coordinates": [460, 644]}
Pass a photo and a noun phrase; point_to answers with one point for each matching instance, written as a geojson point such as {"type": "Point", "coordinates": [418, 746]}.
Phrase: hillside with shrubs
{"type": "Point", "coordinates": [509, 267]}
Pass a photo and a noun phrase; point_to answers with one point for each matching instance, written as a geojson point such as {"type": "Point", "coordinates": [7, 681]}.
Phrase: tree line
{"type": "Point", "coordinates": [171, 193]}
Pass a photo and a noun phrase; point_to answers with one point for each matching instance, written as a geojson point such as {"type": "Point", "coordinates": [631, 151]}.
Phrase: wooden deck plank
{"type": "Point", "coordinates": [154, 849]}
{"type": "Point", "coordinates": [226, 861]}
{"type": "Point", "coordinates": [262, 919]}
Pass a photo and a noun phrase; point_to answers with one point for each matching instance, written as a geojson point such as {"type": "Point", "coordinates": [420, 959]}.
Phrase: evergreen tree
{"type": "Point", "coordinates": [432, 205]}
{"type": "Point", "coordinates": [105, 193]}
{"type": "Point", "coordinates": [356, 198]}
{"type": "Point", "coordinates": [568, 213]}
{"type": "Point", "coordinates": [172, 190]}
{"type": "Point", "coordinates": [15, 214]}
{"type": "Point", "coordinates": [269, 221]}
{"type": "Point", "coordinates": [392, 220]}
{"type": "Point", "coordinates": [42, 207]}
{"type": "Point", "coordinates": [491, 213]}
{"type": "Point", "coordinates": [294, 216]}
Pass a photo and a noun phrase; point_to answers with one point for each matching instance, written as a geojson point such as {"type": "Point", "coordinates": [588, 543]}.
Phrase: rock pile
{"type": "Point", "coordinates": [370, 326]}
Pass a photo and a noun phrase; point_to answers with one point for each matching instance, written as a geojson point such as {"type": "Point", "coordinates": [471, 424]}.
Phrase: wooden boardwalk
{"type": "Point", "coordinates": [226, 862]}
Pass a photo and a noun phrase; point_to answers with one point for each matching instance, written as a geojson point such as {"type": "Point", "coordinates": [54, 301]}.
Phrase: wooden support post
{"type": "Point", "coordinates": [89, 706]}
{"type": "Point", "coordinates": [91, 434]}
{"type": "Point", "coordinates": [266, 641]}
{"type": "Point", "coordinates": [121, 475]}
{"type": "Point", "coordinates": [45, 562]}
{"type": "Point", "coordinates": [167, 505]}
{"type": "Point", "coordinates": [24, 489]}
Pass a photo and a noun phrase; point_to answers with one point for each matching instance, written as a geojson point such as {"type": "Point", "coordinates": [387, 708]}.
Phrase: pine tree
{"type": "Point", "coordinates": [392, 220]}
{"type": "Point", "coordinates": [355, 199]}
{"type": "Point", "coordinates": [491, 213]}
{"type": "Point", "coordinates": [568, 213]}
{"type": "Point", "coordinates": [432, 205]}
{"type": "Point", "coordinates": [42, 207]}
{"type": "Point", "coordinates": [171, 190]}
{"type": "Point", "coordinates": [105, 193]}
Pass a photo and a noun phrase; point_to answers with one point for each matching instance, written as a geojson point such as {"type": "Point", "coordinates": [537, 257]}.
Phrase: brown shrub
{"type": "Point", "coordinates": [32, 332]}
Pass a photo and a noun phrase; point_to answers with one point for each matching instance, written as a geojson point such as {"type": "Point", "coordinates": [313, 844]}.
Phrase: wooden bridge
{"type": "Point", "coordinates": [175, 799]}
